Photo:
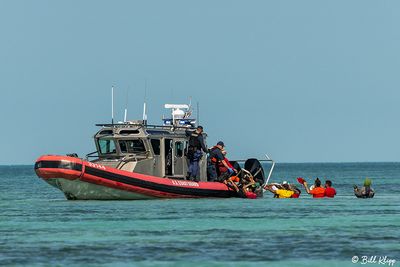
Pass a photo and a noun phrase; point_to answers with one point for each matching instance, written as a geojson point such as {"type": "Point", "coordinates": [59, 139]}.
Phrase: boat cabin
{"type": "Point", "coordinates": [158, 150]}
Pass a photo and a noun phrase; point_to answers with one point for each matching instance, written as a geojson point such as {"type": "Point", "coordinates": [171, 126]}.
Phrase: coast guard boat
{"type": "Point", "coordinates": [134, 160]}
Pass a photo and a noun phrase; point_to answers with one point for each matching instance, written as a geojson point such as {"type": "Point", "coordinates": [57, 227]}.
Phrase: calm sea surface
{"type": "Point", "coordinates": [39, 227]}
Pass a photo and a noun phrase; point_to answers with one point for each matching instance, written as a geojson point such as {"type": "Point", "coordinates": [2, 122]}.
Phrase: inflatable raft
{"type": "Point", "coordinates": [80, 179]}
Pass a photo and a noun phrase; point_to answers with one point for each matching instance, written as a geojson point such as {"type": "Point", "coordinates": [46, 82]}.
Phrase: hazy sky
{"type": "Point", "coordinates": [305, 81]}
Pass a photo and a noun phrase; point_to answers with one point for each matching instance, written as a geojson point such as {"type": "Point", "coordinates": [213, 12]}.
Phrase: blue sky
{"type": "Point", "coordinates": [305, 81]}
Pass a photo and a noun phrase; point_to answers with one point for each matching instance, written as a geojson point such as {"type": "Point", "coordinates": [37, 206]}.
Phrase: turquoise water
{"type": "Point", "coordinates": [38, 227]}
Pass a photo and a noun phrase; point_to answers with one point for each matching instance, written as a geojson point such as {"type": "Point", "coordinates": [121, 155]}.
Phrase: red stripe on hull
{"type": "Point", "coordinates": [121, 186]}
{"type": "Point", "coordinates": [163, 181]}
{"type": "Point", "coordinates": [48, 173]}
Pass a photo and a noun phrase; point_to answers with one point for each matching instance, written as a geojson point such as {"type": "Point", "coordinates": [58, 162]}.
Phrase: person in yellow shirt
{"type": "Point", "coordinates": [283, 191]}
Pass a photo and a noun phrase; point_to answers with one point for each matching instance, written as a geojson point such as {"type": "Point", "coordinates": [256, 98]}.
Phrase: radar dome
{"type": "Point", "coordinates": [178, 114]}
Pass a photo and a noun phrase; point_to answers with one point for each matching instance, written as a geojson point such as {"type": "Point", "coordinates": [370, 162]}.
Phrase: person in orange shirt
{"type": "Point", "coordinates": [317, 191]}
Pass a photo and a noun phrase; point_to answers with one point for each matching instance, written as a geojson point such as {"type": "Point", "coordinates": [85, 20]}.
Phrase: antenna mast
{"type": "Point", "coordinates": [126, 106]}
{"type": "Point", "coordinates": [144, 104]}
{"type": "Point", "coordinates": [112, 105]}
{"type": "Point", "coordinates": [198, 113]}
{"type": "Point", "coordinates": [188, 113]}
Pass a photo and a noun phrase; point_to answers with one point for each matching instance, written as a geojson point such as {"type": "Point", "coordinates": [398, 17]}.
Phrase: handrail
{"type": "Point", "coordinates": [142, 125]}
{"type": "Point", "coordinates": [271, 170]}
{"type": "Point", "coordinates": [90, 155]}
{"type": "Point", "coordinates": [263, 160]}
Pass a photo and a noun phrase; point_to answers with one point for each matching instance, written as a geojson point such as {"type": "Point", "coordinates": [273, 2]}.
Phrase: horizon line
{"type": "Point", "coordinates": [276, 162]}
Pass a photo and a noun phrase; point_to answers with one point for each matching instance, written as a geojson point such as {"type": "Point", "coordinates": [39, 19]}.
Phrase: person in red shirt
{"type": "Point", "coordinates": [317, 191]}
{"type": "Point", "coordinates": [222, 167]}
{"type": "Point", "coordinates": [296, 191]}
{"type": "Point", "coordinates": [329, 190]}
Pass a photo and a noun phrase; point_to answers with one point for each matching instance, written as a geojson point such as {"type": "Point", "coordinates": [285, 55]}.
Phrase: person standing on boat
{"type": "Point", "coordinates": [215, 159]}
{"type": "Point", "coordinates": [194, 153]}
{"type": "Point", "coordinates": [221, 167]}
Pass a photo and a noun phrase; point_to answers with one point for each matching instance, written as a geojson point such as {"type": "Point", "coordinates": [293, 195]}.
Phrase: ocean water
{"type": "Point", "coordinates": [39, 227]}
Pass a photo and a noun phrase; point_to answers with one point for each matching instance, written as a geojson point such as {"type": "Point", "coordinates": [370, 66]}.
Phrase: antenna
{"type": "Point", "coordinates": [144, 103]}
{"type": "Point", "coordinates": [126, 105]}
{"type": "Point", "coordinates": [188, 113]}
{"type": "Point", "coordinates": [198, 113]}
{"type": "Point", "coordinates": [112, 104]}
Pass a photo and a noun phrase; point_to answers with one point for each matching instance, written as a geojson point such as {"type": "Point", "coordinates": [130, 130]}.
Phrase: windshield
{"type": "Point", "coordinates": [132, 146]}
{"type": "Point", "coordinates": [107, 146]}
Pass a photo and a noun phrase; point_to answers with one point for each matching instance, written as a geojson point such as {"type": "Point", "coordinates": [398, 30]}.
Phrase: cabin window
{"type": "Point", "coordinates": [132, 146]}
{"type": "Point", "coordinates": [126, 132]}
{"type": "Point", "coordinates": [155, 144]}
{"type": "Point", "coordinates": [107, 146]}
{"type": "Point", "coordinates": [106, 132]}
{"type": "Point", "coordinates": [179, 147]}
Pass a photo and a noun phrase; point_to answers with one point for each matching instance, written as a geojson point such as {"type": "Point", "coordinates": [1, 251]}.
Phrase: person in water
{"type": "Point", "coordinates": [296, 191]}
{"type": "Point", "coordinates": [318, 191]}
{"type": "Point", "coordinates": [248, 183]}
{"type": "Point", "coordinates": [231, 180]}
{"type": "Point", "coordinates": [284, 192]}
{"type": "Point", "coordinates": [252, 190]}
{"type": "Point", "coordinates": [329, 190]}
{"type": "Point", "coordinates": [366, 191]}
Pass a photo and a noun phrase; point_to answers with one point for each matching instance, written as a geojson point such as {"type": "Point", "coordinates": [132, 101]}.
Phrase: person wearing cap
{"type": "Point", "coordinates": [280, 191]}
{"type": "Point", "coordinates": [194, 153]}
{"type": "Point", "coordinates": [366, 191]}
{"type": "Point", "coordinates": [215, 159]}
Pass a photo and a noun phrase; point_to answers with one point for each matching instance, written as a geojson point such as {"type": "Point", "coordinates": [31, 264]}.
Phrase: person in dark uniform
{"type": "Point", "coordinates": [216, 158]}
{"type": "Point", "coordinates": [194, 153]}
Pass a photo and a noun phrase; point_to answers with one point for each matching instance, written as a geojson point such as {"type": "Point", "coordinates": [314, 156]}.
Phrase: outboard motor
{"type": "Point", "coordinates": [255, 168]}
